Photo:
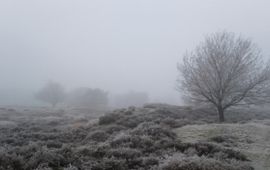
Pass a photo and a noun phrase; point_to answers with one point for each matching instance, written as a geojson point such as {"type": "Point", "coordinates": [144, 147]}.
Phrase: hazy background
{"type": "Point", "coordinates": [116, 45]}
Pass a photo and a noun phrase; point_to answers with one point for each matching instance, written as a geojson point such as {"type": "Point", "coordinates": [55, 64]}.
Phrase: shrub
{"type": "Point", "coordinates": [224, 140]}
{"type": "Point", "coordinates": [110, 164]}
{"type": "Point", "coordinates": [100, 151]}
{"type": "Point", "coordinates": [150, 161]}
{"type": "Point", "coordinates": [10, 161]}
{"type": "Point", "coordinates": [210, 150]}
{"type": "Point", "coordinates": [124, 153]}
{"type": "Point", "coordinates": [44, 166]}
{"type": "Point", "coordinates": [98, 136]}
{"type": "Point", "coordinates": [201, 163]}
{"type": "Point", "coordinates": [144, 143]}
{"type": "Point", "coordinates": [132, 157]}
{"type": "Point", "coordinates": [108, 119]}
{"type": "Point", "coordinates": [53, 159]}
{"type": "Point", "coordinates": [54, 144]}
{"type": "Point", "coordinates": [154, 131]}
{"type": "Point", "coordinates": [70, 167]}
{"type": "Point", "coordinates": [110, 129]}
{"type": "Point", "coordinates": [130, 121]}
{"type": "Point", "coordinates": [134, 138]}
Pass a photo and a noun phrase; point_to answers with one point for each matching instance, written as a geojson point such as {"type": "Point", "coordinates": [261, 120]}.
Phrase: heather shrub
{"type": "Point", "coordinates": [44, 166]}
{"type": "Point", "coordinates": [54, 144]}
{"type": "Point", "coordinates": [44, 155]}
{"type": "Point", "coordinates": [116, 115]}
{"type": "Point", "coordinates": [110, 164]}
{"type": "Point", "coordinates": [150, 162]}
{"type": "Point", "coordinates": [130, 121]}
{"type": "Point", "coordinates": [132, 157]}
{"type": "Point", "coordinates": [98, 136]}
{"type": "Point", "coordinates": [100, 150]}
{"type": "Point", "coordinates": [133, 138]}
{"type": "Point", "coordinates": [210, 150]}
{"type": "Point", "coordinates": [108, 118]}
{"type": "Point", "coordinates": [201, 163]}
{"type": "Point", "coordinates": [73, 135]}
{"type": "Point", "coordinates": [113, 128]}
{"type": "Point", "coordinates": [174, 123]}
{"type": "Point", "coordinates": [10, 161]}
{"type": "Point", "coordinates": [154, 131]}
{"type": "Point", "coordinates": [70, 167]}
{"type": "Point", "coordinates": [144, 143]}
{"type": "Point", "coordinates": [224, 140]}
{"type": "Point", "coordinates": [122, 139]}
{"type": "Point", "coordinates": [123, 153]}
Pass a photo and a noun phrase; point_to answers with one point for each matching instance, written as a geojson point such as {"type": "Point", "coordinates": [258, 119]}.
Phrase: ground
{"type": "Point", "coordinates": [156, 136]}
{"type": "Point", "coordinates": [252, 138]}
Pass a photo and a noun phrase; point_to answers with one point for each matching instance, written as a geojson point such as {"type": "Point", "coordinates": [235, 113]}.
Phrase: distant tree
{"type": "Point", "coordinates": [87, 97]}
{"type": "Point", "coordinates": [224, 70]}
{"type": "Point", "coordinates": [52, 93]}
{"type": "Point", "coordinates": [131, 99]}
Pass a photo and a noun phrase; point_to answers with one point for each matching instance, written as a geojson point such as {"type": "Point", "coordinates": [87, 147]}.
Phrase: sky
{"type": "Point", "coordinates": [115, 45]}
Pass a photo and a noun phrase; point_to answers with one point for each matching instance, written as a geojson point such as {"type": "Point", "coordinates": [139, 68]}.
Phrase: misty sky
{"type": "Point", "coordinates": [116, 45]}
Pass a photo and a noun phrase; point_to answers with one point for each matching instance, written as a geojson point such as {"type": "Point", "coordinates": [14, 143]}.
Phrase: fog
{"type": "Point", "coordinates": [116, 45]}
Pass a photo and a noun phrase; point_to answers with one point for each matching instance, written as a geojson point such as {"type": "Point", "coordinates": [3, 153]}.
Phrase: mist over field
{"type": "Point", "coordinates": [118, 46]}
{"type": "Point", "coordinates": [134, 85]}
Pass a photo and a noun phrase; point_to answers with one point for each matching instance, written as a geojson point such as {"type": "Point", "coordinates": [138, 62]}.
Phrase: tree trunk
{"type": "Point", "coordinates": [221, 114]}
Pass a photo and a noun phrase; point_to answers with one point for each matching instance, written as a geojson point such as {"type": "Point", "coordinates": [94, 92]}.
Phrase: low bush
{"type": "Point", "coordinates": [108, 119]}
{"type": "Point", "coordinates": [110, 164]}
{"type": "Point", "coordinates": [224, 140]}
{"type": "Point", "coordinates": [210, 150]}
{"type": "Point", "coordinates": [54, 144]}
{"type": "Point", "coordinates": [124, 153]}
{"type": "Point", "coordinates": [201, 163]}
{"type": "Point", "coordinates": [97, 136]}
{"type": "Point", "coordinates": [70, 167]}
{"type": "Point", "coordinates": [156, 132]}
{"type": "Point", "coordinates": [110, 129]}
{"type": "Point", "coordinates": [133, 138]}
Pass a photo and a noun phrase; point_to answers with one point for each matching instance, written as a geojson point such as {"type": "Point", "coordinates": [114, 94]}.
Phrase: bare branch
{"type": "Point", "coordinates": [225, 71]}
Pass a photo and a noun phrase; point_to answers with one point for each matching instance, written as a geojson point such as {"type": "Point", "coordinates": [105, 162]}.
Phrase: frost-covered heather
{"type": "Point", "coordinates": [151, 137]}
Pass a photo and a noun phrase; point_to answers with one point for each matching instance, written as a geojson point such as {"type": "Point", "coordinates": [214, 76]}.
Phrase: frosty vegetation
{"type": "Point", "coordinates": [133, 138]}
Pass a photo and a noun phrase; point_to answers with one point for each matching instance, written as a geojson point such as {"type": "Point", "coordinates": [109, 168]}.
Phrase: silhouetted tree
{"type": "Point", "coordinates": [87, 97]}
{"type": "Point", "coordinates": [52, 93]}
{"type": "Point", "coordinates": [224, 70]}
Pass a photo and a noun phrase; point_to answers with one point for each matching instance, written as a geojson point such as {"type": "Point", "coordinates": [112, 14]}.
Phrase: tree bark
{"type": "Point", "coordinates": [221, 114]}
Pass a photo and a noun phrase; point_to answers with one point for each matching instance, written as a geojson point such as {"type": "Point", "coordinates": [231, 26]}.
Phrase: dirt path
{"type": "Point", "coordinates": [252, 139]}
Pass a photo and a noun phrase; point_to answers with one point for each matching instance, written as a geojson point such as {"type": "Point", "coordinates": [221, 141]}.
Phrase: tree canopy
{"type": "Point", "coordinates": [224, 70]}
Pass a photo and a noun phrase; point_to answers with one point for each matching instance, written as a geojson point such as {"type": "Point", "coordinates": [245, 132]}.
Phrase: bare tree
{"type": "Point", "coordinates": [225, 70]}
{"type": "Point", "coordinates": [52, 93]}
{"type": "Point", "coordinates": [88, 98]}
